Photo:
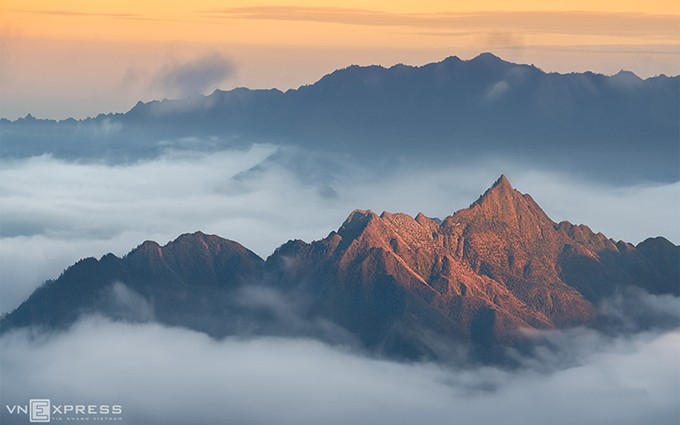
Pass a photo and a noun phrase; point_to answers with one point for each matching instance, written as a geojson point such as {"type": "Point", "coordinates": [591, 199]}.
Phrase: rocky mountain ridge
{"type": "Point", "coordinates": [402, 286]}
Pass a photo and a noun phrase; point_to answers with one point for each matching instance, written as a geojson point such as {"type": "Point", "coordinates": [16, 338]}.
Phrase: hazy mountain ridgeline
{"type": "Point", "coordinates": [390, 284]}
{"type": "Point", "coordinates": [612, 127]}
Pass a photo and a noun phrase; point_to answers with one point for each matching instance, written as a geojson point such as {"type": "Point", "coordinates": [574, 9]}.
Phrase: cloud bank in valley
{"type": "Point", "coordinates": [56, 212]}
{"type": "Point", "coordinates": [169, 375]}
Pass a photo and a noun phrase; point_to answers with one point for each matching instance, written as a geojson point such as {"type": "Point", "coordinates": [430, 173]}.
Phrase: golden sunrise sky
{"type": "Point", "coordinates": [79, 58]}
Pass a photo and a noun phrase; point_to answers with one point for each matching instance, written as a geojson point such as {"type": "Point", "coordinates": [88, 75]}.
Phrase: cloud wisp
{"type": "Point", "coordinates": [199, 75]}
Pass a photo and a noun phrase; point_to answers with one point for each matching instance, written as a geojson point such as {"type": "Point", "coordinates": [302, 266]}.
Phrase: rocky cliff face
{"type": "Point", "coordinates": [403, 286]}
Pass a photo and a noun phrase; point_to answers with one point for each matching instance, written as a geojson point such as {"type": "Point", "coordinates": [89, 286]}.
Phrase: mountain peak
{"type": "Point", "coordinates": [191, 237]}
{"type": "Point", "coordinates": [503, 183]}
{"type": "Point", "coordinates": [627, 74]}
{"type": "Point", "coordinates": [358, 215]}
{"type": "Point", "coordinates": [503, 205]}
{"type": "Point", "coordinates": [356, 222]}
{"type": "Point", "coordinates": [487, 56]}
{"type": "Point", "coordinates": [500, 190]}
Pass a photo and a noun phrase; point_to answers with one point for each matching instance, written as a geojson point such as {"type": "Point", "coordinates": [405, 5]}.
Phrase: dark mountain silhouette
{"type": "Point", "coordinates": [182, 283]}
{"type": "Point", "coordinates": [454, 109]}
{"type": "Point", "coordinates": [391, 283]}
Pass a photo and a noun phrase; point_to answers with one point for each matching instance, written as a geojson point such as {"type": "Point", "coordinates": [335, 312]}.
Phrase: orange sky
{"type": "Point", "coordinates": [78, 58]}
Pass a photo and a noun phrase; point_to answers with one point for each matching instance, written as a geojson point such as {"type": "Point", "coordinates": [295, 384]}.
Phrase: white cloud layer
{"type": "Point", "coordinates": [174, 376]}
{"type": "Point", "coordinates": [54, 212]}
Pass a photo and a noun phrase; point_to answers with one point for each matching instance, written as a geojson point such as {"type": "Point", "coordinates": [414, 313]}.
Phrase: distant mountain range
{"type": "Point", "coordinates": [390, 284]}
{"type": "Point", "coordinates": [613, 126]}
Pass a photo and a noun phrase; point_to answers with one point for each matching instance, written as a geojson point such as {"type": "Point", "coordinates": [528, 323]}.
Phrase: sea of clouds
{"type": "Point", "coordinates": [163, 375]}
{"type": "Point", "coordinates": [55, 212]}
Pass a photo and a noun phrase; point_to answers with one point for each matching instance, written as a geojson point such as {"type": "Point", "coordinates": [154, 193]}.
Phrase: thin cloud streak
{"type": "Point", "coordinates": [112, 15]}
{"type": "Point", "coordinates": [538, 22]}
{"type": "Point", "coordinates": [646, 49]}
{"type": "Point", "coordinates": [78, 13]}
